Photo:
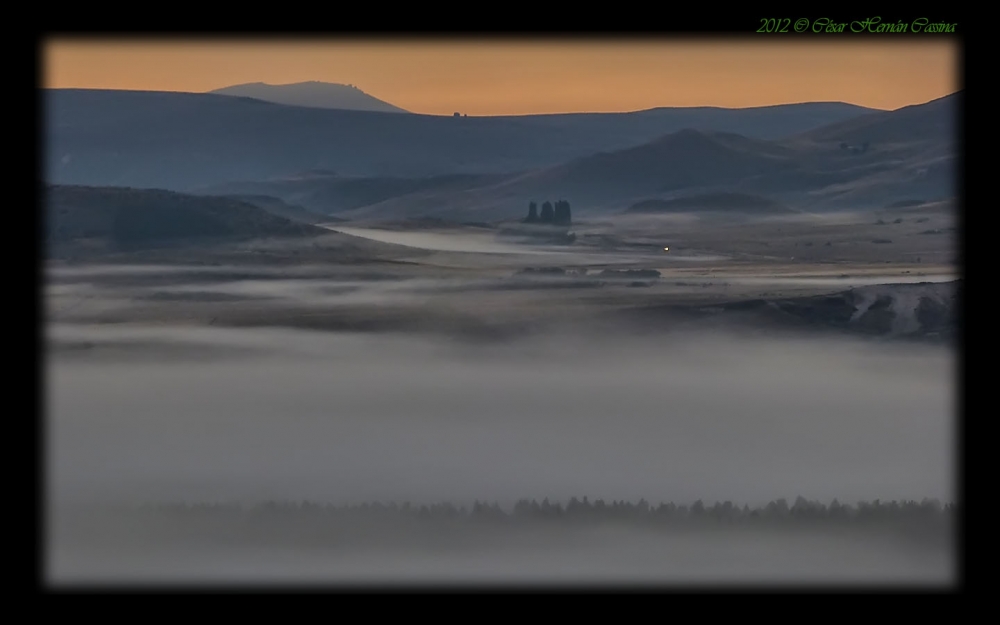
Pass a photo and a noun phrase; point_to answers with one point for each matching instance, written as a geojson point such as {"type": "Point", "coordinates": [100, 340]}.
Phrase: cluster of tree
{"type": "Point", "coordinates": [801, 509]}
{"type": "Point", "coordinates": [558, 214]}
{"type": "Point", "coordinates": [313, 525]}
{"type": "Point", "coordinates": [599, 509]}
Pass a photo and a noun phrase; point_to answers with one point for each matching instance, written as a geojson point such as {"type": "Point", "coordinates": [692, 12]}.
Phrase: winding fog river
{"type": "Point", "coordinates": [441, 242]}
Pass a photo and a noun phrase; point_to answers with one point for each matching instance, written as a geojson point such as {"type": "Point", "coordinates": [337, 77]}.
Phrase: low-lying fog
{"type": "Point", "coordinates": [110, 288]}
{"type": "Point", "coordinates": [367, 417]}
{"type": "Point", "coordinates": [596, 556]}
{"type": "Point", "coordinates": [444, 242]}
{"type": "Point", "coordinates": [224, 415]}
{"type": "Point", "coordinates": [476, 243]}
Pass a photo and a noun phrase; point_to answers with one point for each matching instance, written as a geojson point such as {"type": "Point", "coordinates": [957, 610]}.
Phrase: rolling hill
{"type": "Point", "coordinates": [130, 219]}
{"type": "Point", "coordinates": [283, 209]}
{"type": "Point", "coordinates": [188, 141]}
{"type": "Point", "coordinates": [921, 311]}
{"type": "Point", "coordinates": [931, 122]}
{"type": "Point", "coordinates": [683, 160]}
{"type": "Point", "coordinates": [312, 94]}
{"type": "Point", "coordinates": [689, 158]}
{"type": "Point", "coordinates": [329, 192]}
{"type": "Point", "coordinates": [909, 153]}
{"type": "Point", "coordinates": [895, 155]}
{"type": "Point", "coordinates": [925, 310]}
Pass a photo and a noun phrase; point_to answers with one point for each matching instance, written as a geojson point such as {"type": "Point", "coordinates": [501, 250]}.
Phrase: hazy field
{"type": "Point", "coordinates": [433, 371]}
{"type": "Point", "coordinates": [472, 278]}
{"type": "Point", "coordinates": [166, 414]}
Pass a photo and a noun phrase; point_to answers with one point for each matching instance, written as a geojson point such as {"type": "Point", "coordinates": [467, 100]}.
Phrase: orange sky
{"type": "Point", "coordinates": [518, 76]}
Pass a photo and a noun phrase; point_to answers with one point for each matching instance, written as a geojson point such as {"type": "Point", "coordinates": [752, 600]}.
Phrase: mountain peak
{"type": "Point", "coordinates": [334, 85]}
{"type": "Point", "coordinates": [312, 94]}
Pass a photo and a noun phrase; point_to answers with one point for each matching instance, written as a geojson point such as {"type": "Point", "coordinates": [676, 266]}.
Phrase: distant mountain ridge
{"type": "Point", "coordinates": [906, 153]}
{"type": "Point", "coordinates": [187, 141]}
{"type": "Point", "coordinates": [368, 165]}
{"type": "Point", "coordinates": [933, 120]}
{"type": "Point", "coordinates": [313, 94]}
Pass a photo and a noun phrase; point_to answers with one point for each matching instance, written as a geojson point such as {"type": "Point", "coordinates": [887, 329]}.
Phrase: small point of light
{"type": "Point", "coordinates": [666, 249]}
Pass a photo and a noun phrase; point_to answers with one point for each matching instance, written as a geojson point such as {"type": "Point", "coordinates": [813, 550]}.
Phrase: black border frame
{"type": "Point", "coordinates": [719, 27]}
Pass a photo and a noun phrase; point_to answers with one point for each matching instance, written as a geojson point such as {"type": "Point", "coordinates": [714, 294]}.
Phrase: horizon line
{"type": "Point", "coordinates": [565, 112]}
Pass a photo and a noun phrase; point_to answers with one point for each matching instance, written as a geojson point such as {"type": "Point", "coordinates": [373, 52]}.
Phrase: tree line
{"type": "Point", "coordinates": [558, 214]}
{"type": "Point", "coordinates": [800, 509]}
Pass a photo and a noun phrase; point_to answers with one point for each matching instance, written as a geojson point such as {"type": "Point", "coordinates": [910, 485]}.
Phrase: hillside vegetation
{"type": "Point", "coordinates": [123, 218]}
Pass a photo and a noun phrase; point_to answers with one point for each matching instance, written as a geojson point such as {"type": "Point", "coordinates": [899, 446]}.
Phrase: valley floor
{"type": "Point", "coordinates": [199, 373]}
{"type": "Point", "coordinates": [394, 278]}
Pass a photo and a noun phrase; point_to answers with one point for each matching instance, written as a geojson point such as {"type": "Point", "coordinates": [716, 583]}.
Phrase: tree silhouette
{"type": "Point", "coordinates": [561, 213]}
{"type": "Point", "coordinates": [778, 508]}
{"type": "Point", "coordinates": [532, 213]}
{"type": "Point", "coordinates": [548, 214]}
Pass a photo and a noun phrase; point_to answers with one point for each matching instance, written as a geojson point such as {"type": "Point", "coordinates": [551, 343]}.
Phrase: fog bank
{"type": "Point", "coordinates": [355, 418]}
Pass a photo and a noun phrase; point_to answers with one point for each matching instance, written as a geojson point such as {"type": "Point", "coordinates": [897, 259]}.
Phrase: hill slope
{"type": "Point", "coordinates": [909, 153]}
{"type": "Point", "coordinates": [931, 122]}
{"type": "Point", "coordinates": [185, 141]}
{"type": "Point", "coordinates": [689, 158]}
{"type": "Point", "coordinates": [291, 212]}
{"type": "Point", "coordinates": [904, 154]}
{"type": "Point", "coordinates": [921, 311]}
{"type": "Point", "coordinates": [330, 193]}
{"type": "Point", "coordinates": [924, 310]}
{"type": "Point", "coordinates": [128, 219]}
{"type": "Point", "coordinates": [312, 94]}
{"type": "Point", "coordinates": [681, 160]}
